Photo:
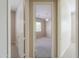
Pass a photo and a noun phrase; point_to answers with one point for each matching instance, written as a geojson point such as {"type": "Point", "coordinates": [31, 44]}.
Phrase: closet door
{"type": "Point", "coordinates": [3, 29]}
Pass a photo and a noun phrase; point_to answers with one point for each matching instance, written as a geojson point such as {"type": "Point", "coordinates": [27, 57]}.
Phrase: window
{"type": "Point", "coordinates": [38, 26]}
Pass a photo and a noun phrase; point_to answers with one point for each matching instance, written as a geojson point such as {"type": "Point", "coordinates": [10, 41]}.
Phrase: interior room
{"type": "Point", "coordinates": [43, 42]}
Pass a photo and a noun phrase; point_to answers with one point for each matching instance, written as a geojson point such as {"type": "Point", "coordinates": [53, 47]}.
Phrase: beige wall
{"type": "Point", "coordinates": [43, 29]}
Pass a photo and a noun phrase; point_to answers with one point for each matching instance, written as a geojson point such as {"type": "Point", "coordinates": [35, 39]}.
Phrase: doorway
{"type": "Point", "coordinates": [44, 29]}
{"type": "Point", "coordinates": [14, 48]}
{"type": "Point", "coordinates": [43, 35]}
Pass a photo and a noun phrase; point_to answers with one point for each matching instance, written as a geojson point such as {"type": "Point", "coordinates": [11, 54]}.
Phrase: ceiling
{"type": "Point", "coordinates": [43, 11]}
{"type": "Point", "coordinates": [14, 3]}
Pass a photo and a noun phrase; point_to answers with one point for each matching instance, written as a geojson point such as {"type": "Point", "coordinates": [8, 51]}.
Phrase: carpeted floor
{"type": "Point", "coordinates": [43, 48]}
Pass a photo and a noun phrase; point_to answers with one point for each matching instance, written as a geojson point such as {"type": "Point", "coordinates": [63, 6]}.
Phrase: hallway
{"type": "Point", "coordinates": [57, 27]}
{"type": "Point", "coordinates": [43, 47]}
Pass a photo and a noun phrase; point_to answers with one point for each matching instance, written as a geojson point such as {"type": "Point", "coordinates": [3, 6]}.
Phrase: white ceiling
{"type": "Point", "coordinates": [14, 3]}
{"type": "Point", "coordinates": [43, 10]}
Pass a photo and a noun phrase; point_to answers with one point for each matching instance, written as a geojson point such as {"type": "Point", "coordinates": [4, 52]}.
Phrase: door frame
{"type": "Point", "coordinates": [9, 30]}
{"type": "Point", "coordinates": [26, 15]}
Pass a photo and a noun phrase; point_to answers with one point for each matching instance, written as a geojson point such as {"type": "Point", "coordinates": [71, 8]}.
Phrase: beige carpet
{"type": "Point", "coordinates": [43, 48]}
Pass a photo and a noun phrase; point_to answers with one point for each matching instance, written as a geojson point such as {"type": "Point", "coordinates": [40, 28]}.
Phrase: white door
{"type": "Point", "coordinates": [3, 28]}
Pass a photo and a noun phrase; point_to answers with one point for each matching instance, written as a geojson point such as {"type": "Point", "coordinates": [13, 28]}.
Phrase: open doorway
{"type": "Point", "coordinates": [44, 29]}
{"type": "Point", "coordinates": [14, 48]}
{"type": "Point", "coordinates": [43, 41]}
